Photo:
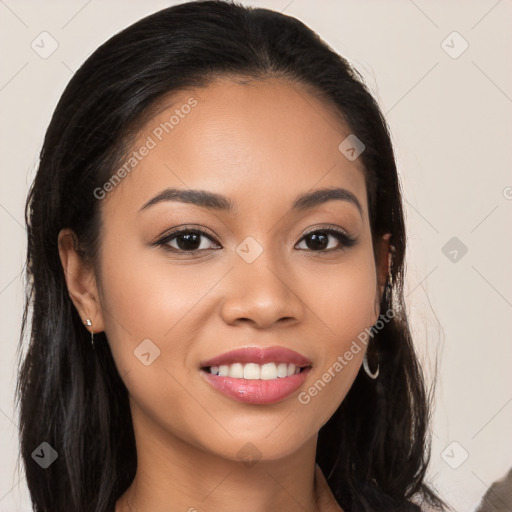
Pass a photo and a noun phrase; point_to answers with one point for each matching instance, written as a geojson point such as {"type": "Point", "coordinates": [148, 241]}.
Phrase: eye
{"type": "Point", "coordinates": [186, 240]}
{"type": "Point", "coordinates": [193, 240]}
{"type": "Point", "coordinates": [319, 240]}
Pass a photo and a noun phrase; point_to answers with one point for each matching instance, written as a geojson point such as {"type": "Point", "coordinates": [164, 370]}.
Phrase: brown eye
{"type": "Point", "coordinates": [187, 241]}
{"type": "Point", "coordinates": [319, 240]}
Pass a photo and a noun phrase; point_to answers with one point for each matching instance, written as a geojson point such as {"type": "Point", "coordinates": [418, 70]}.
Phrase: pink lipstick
{"type": "Point", "coordinates": [257, 375]}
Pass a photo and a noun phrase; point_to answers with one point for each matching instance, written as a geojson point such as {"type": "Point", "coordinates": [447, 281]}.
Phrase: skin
{"type": "Point", "coordinates": [261, 144]}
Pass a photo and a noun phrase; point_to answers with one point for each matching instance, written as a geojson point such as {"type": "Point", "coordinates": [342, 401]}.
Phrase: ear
{"type": "Point", "coordinates": [384, 255]}
{"type": "Point", "coordinates": [80, 281]}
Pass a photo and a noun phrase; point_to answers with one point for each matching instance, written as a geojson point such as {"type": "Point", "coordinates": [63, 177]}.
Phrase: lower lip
{"type": "Point", "coordinates": [257, 391]}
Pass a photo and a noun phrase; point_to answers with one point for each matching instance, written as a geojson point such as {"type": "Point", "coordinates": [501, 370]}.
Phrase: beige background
{"type": "Point", "coordinates": [451, 124]}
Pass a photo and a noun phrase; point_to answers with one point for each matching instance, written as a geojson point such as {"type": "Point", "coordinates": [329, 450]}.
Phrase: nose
{"type": "Point", "coordinates": [262, 294]}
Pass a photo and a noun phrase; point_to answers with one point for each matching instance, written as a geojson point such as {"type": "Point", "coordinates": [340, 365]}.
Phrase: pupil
{"type": "Point", "coordinates": [319, 241]}
{"type": "Point", "coordinates": [191, 242]}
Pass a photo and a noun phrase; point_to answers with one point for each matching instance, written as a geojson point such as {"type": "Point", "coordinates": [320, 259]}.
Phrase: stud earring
{"type": "Point", "coordinates": [89, 324]}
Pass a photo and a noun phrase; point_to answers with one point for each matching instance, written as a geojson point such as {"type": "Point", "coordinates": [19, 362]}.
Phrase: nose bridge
{"type": "Point", "coordinates": [261, 288]}
{"type": "Point", "coordinates": [262, 269]}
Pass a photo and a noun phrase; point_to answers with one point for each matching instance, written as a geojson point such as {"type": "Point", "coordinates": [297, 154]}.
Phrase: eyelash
{"type": "Point", "coordinates": [345, 240]}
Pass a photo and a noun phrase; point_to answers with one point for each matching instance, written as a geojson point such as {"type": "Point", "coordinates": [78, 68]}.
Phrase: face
{"type": "Point", "coordinates": [269, 271]}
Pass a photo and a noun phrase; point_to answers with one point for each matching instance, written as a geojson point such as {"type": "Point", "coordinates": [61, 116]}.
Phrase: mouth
{"type": "Point", "coordinates": [257, 375]}
{"type": "Point", "coordinates": [255, 371]}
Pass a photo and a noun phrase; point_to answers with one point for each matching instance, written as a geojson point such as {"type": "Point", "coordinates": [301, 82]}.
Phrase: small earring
{"type": "Point", "coordinates": [367, 368]}
{"type": "Point", "coordinates": [89, 324]}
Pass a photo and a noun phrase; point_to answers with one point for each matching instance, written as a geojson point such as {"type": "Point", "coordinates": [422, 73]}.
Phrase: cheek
{"type": "Point", "coordinates": [343, 299]}
{"type": "Point", "coordinates": [142, 299]}
{"type": "Point", "coordinates": [345, 308]}
{"type": "Point", "coordinates": [148, 297]}
{"type": "Point", "coordinates": [143, 292]}
{"type": "Point", "coordinates": [151, 307]}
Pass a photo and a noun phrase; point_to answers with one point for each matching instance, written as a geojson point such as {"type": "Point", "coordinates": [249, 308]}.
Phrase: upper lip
{"type": "Point", "coordinates": [258, 355]}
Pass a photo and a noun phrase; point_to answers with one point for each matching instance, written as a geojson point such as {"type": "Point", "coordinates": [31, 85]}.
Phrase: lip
{"type": "Point", "coordinates": [259, 355]}
{"type": "Point", "coordinates": [258, 391]}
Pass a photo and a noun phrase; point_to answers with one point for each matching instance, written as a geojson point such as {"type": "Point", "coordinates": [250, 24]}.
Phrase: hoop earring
{"type": "Point", "coordinates": [89, 324]}
{"type": "Point", "coordinates": [367, 368]}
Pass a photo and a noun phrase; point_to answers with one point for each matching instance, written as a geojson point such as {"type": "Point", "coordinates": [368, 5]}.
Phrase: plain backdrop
{"type": "Point", "coordinates": [441, 73]}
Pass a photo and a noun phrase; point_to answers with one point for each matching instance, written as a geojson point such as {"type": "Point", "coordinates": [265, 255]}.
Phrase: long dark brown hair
{"type": "Point", "coordinates": [374, 450]}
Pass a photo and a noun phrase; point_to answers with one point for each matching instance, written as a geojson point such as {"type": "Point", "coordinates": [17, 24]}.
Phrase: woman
{"type": "Point", "coordinates": [216, 256]}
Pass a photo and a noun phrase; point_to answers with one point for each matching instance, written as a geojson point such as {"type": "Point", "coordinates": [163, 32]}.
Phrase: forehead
{"type": "Point", "coordinates": [267, 140]}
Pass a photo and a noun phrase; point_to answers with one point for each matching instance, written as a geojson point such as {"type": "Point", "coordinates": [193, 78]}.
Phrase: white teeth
{"type": "Point", "coordinates": [282, 370]}
{"type": "Point", "coordinates": [253, 371]}
{"type": "Point", "coordinates": [223, 370]}
{"type": "Point", "coordinates": [237, 371]}
{"type": "Point", "coordinates": [268, 371]}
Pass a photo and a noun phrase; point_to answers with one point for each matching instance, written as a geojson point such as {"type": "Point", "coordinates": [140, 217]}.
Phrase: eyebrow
{"type": "Point", "coordinates": [214, 201]}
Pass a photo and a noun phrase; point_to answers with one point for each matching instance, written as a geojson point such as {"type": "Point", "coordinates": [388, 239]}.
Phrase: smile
{"type": "Point", "coordinates": [254, 371]}
{"type": "Point", "coordinates": [257, 375]}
